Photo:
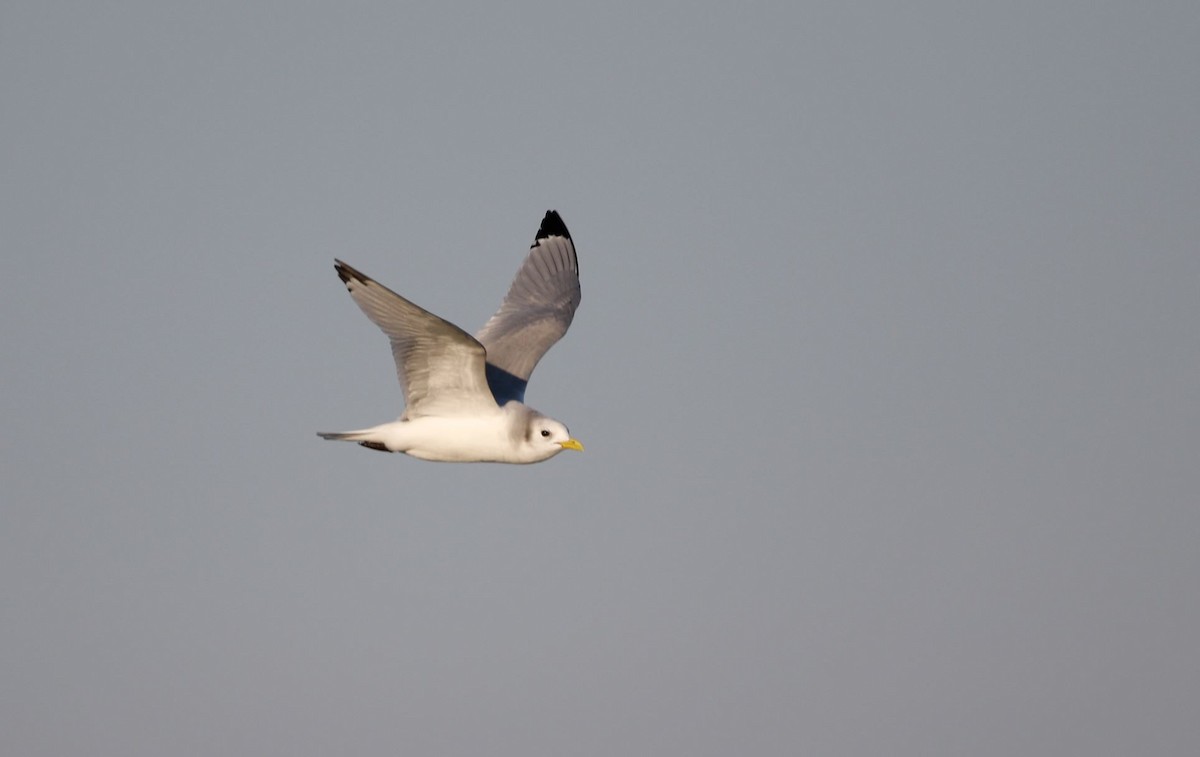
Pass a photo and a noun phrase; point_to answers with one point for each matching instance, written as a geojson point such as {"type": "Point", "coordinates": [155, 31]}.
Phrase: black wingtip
{"type": "Point", "coordinates": [346, 272]}
{"type": "Point", "coordinates": [552, 226]}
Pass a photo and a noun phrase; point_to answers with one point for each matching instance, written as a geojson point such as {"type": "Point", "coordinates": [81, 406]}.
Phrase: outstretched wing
{"type": "Point", "coordinates": [439, 365]}
{"type": "Point", "coordinates": [535, 313]}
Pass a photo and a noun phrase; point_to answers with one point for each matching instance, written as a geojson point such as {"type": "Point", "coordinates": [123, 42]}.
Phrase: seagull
{"type": "Point", "coordinates": [464, 396]}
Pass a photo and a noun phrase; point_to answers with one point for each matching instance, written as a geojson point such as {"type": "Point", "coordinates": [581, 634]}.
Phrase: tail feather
{"type": "Point", "coordinates": [353, 436]}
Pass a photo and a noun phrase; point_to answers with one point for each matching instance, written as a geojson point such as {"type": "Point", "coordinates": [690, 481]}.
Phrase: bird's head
{"type": "Point", "coordinates": [546, 437]}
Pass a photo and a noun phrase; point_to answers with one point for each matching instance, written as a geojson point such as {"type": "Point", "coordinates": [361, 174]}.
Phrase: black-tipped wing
{"type": "Point", "coordinates": [440, 366]}
{"type": "Point", "coordinates": [535, 313]}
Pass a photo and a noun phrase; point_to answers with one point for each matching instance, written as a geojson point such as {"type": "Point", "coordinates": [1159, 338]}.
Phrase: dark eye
{"type": "Point", "coordinates": [545, 433]}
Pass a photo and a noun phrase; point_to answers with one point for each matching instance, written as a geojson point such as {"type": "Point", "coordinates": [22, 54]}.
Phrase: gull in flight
{"type": "Point", "coordinates": [464, 396]}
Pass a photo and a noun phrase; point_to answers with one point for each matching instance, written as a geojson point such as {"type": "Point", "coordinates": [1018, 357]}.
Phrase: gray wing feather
{"type": "Point", "coordinates": [440, 366]}
{"type": "Point", "coordinates": [539, 305]}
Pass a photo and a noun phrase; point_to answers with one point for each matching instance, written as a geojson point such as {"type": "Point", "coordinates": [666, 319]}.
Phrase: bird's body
{"type": "Point", "coordinates": [464, 395]}
{"type": "Point", "coordinates": [497, 437]}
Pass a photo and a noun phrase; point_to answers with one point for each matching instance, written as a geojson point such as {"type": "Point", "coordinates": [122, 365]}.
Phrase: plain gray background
{"type": "Point", "coordinates": [887, 367]}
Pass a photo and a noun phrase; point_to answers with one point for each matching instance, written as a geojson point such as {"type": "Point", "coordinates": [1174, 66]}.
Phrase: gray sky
{"type": "Point", "coordinates": [887, 367]}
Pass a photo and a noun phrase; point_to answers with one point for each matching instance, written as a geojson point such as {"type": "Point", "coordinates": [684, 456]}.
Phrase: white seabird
{"type": "Point", "coordinates": [464, 396]}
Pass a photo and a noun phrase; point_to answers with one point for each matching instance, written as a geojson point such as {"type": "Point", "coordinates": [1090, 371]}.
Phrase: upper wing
{"type": "Point", "coordinates": [439, 365]}
{"type": "Point", "coordinates": [536, 311]}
